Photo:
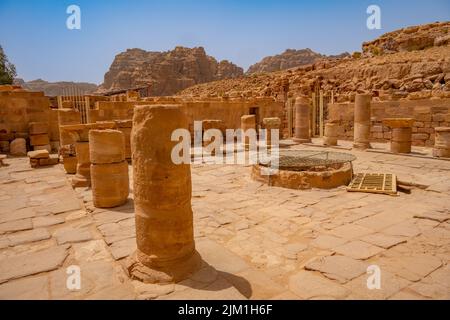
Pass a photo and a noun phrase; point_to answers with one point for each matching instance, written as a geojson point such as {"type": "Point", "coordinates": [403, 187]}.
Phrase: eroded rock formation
{"type": "Point", "coordinates": [290, 59]}
{"type": "Point", "coordinates": [410, 73]}
{"type": "Point", "coordinates": [166, 73]}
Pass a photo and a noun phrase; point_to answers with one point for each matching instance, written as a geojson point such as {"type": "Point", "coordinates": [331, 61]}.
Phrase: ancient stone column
{"type": "Point", "coordinates": [331, 134]}
{"type": "Point", "coordinates": [442, 142]}
{"type": "Point", "coordinates": [248, 122]}
{"type": "Point", "coordinates": [401, 134]}
{"type": "Point", "coordinates": [109, 170]}
{"type": "Point", "coordinates": [162, 198]}
{"type": "Point", "coordinates": [362, 121]}
{"type": "Point", "coordinates": [66, 141]}
{"type": "Point", "coordinates": [207, 141]}
{"type": "Point", "coordinates": [269, 124]}
{"type": "Point", "coordinates": [83, 176]}
{"type": "Point", "coordinates": [302, 120]}
{"type": "Point", "coordinates": [125, 126]}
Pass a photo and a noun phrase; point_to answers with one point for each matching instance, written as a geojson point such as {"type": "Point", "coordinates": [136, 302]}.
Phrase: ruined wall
{"type": "Point", "coordinates": [19, 108]}
{"type": "Point", "coordinates": [428, 114]}
{"type": "Point", "coordinates": [227, 110]}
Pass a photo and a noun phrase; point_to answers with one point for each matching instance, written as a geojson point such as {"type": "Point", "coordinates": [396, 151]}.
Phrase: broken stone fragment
{"type": "Point", "coordinates": [18, 147]}
{"type": "Point", "coordinates": [38, 154]}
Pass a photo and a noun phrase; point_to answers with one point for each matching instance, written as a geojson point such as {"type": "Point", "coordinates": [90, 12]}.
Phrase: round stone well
{"type": "Point", "coordinates": [307, 169]}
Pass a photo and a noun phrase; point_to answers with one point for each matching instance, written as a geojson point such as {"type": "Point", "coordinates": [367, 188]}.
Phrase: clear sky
{"type": "Point", "coordinates": [35, 37]}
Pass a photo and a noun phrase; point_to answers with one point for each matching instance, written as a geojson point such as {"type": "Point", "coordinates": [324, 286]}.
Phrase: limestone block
{"type": "Point", "coordinates": [110, 184]}
{"type": "Point", "coordinates": [39, 139]}
{"type": "Point", "coordinates": [38, 128]}
{"type": "Point", "coordinates": [18, 147]}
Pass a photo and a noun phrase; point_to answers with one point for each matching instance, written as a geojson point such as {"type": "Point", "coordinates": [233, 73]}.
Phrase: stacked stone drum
{"type": "Point", "coordinates": [302, 120]}
{"type": "Point", "coordinates": [331, 134]}
{"type": "Point", "coordinates": [109, 169]}
{"type": "Point", "coordinates": [362, 121]}
{"type": "Point", "coordinates": [162, 198]}
{"type": "Point", "coordinates": [401, 137]}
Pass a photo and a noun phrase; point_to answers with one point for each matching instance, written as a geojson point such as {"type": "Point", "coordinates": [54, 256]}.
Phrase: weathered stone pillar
{"type": "Point", "coordinates": [442, 142]}
{"type": "Point", "coordinates": [109, 170]}
{"type": "Point", "coordinates": [269, 124]}
{"type": "Point", "coordinates": [125, 126]}
{"type": "Point", "coordinates": [83, 176]}
{"type": "Point", "coordinates": [248, 122]}
{"type": "Point", "coordinates": [362, 121]}
{"type": "Point", "coordinates": [162, 199]}
{"type": "Point", "coordinates": [401, 134]}
{"type": "Point", "coordinates": [331, 134]}
{"type": "Point", "coordinates": [208, 125]}
{"type": "Point", "coordinates": [302, 120]}
{"type": "Point", "coordinates": [66, 140]}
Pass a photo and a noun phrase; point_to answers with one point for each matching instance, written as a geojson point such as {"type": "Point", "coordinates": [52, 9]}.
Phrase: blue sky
{"type": "Point", "coordinates": [34, 35]}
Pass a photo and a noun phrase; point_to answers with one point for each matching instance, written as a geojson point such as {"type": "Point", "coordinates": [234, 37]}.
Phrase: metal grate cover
{"type": "Point", "coordinates": [384, 183]}
{"type": "Point", "coordinates": [298, 160]}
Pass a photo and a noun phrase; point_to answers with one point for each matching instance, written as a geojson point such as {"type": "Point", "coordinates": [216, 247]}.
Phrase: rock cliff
{"type": "Point", "coordinates": [165, 73]}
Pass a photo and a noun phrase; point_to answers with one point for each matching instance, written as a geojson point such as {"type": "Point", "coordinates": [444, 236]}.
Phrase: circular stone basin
{"type": "Point", "coordinates": [306, 169]}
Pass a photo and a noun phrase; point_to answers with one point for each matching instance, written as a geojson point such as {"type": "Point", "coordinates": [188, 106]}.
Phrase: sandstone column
{"type": "Point", "coordinates": [248, 122]}
{"type": "Point", "coordinates": [162, 199]}
{"type": "Point", "coordinates": [401, 135]}
{"type": "Point", "coordinates": [331, 134]}
{"type": "Point", "coordinates": [109, 170]}
{"type": "Point", "coordinates": [125, 126]}
{"type": "Point", "coordinates": [442, 142]}
{"type": "Point", "coordinates": [66, 142]}
{"type": "Point", "coordinates": [269, 124]}
{"type": "Point", "coordinates": [362, 121]}
{"type": "Point", "coordinates": [83, 176]}
{"type": "Point", "coordinates": [302, 120]}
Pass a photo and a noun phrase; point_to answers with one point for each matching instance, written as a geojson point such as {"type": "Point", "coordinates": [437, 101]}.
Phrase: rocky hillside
{"type": "Point", "coordinates": [52, 89]}
{"type": "Point", "coordinates": [409, 71]}
{"type": "Point", "coordinates": [409, 39]}
{"type": "Point", "coordinates": [289, 59]}
{"type": "Point", "coordinates": [166, 72]}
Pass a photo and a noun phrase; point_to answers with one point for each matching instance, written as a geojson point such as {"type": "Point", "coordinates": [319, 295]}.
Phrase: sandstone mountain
{"type": "Point", "coordinates": [417, 65]}
{"type": "Point", "coordinates": [290, 59]}
{"type": "Point", "coordinates": [165, 73]}
{"type": "Point", "coordinates": [57, 88]}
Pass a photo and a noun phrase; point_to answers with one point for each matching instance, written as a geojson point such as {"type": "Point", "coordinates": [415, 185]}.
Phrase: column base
{"type": "Point", "coordinates": [173, 273]}
{"type": "Point", "coordinates": [361, 146]}
{"type": "Point", "coordinates": [299, 140]}
{"type": "Point", "coordinates": [80, 182]}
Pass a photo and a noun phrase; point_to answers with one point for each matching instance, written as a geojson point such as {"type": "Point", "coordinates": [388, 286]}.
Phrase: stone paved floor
{"type": "Point", "coordinates": [257, 242]}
